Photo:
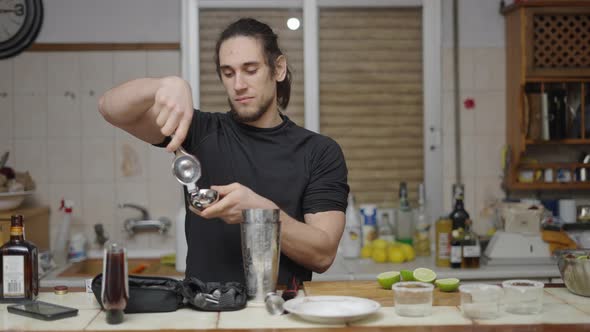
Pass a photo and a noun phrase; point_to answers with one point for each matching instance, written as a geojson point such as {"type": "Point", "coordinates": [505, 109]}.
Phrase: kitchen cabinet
{"type": "Point", "coordinates": [548, 84]}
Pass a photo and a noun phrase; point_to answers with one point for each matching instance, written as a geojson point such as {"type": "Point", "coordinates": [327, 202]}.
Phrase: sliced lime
{"type": "Point", "coordinates": [425, 275]}
{"type": "Point", "coordinates": [387, 279]}
{"type": "Point", "coordinates": [583, 257]}
{"type": "Point", "coordinates": [448, 284]}
{"type": "Point", "coordinates": [407, 275]}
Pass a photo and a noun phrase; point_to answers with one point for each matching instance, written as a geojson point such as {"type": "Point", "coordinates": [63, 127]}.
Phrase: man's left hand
{"type": "Point", "coordinates": [233, 199]}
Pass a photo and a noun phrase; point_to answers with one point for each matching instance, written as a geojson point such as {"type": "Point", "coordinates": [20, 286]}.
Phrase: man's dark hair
{"type": "Point", "coordinates": [249, 27]}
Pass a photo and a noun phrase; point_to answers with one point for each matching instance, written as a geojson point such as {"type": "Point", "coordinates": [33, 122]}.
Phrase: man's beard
{"type": "Point", "coordinates": [246, 118]}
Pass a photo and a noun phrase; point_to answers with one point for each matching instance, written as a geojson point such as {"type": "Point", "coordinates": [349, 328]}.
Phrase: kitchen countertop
{"type": "Point", "coordinates": [366, 269]}
{"type": "Point", "coordinates": [562, 311]}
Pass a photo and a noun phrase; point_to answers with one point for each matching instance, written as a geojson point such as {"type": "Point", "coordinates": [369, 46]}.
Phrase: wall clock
{"type": "Point", "coordinates": [20, 22]}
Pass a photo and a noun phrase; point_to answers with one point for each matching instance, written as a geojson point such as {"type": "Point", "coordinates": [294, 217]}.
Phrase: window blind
{"type": "Point", "coordinates": [371, 97]}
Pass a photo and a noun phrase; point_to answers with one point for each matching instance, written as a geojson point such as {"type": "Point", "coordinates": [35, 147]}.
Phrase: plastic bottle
{"type": "Point", "coordinates": [60, 248]}
{"type": "Point", "coordinates": [422, 222]}
{"type": "Point", "coordinates": [351, 239]}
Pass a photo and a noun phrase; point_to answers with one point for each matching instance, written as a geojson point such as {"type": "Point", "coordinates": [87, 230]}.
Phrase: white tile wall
{"type": "Point", "coordinates": [482, 75]}
{"type": "Point", "coordinates": [51, 125]}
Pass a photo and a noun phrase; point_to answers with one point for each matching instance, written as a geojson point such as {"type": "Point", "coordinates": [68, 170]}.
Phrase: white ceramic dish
{"type": "Point", "coordinates": [331, 309]}
{"type": "Point", "coordinates": [12, 200]}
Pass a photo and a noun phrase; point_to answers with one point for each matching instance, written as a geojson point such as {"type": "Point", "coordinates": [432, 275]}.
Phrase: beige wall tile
{"type": "Point", "coordinates": [31, 155]}
{"type": "Point", "coordinates": [129, 65]}
{"type": "Point", "coordinates": [96, 70]}
{"type": "Point", "coordinates": [6, 76]}
{"type": "Point", "coordinates": [490, 68]}
{"type": "Point", "coordinates": [163, 63]}
{"type": "Point", "coordinates": [490, 115]}
{"type": "Point", "coordinates": [30, 74]}
{"type": "Point", "coordinates": [6, 114]}
{"type": "Point", "coordinates": [64, 160]}
{"type": "Point", "coordinates": [63, 117]}
{"type": "Point", "coordinates": [30, 116]}
{"type": "Point", "coordinates": [99, 203]}
{"type": "Point", "coordinates": [63, 73]}
{"type": "Point", "coordinates": [466, 69]}
{"type": "Point", "coordinates": [488, 156]}
{"type": "Point", "coordinates": [98, 160]}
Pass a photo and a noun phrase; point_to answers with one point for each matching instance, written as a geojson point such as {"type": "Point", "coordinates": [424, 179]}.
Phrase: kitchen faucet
{"type": "Point", "coordinates": [144, 222]}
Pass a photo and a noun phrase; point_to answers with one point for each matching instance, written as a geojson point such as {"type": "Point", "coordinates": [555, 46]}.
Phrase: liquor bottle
{"type": "Point", "coordinates": [456, 258]}
{"type": "Point", "coordinates": [352, 239]}
{"type": "Point", "coordinates": [422, 234]}
{"type": "Point", "coordinates": [459, 216]}
{"type": "Point", "coordinates": [405, 226]}
{"type": "Point", "coordinates": [471, 249]}
{"type": "Point", "coordinates": [19, 261]}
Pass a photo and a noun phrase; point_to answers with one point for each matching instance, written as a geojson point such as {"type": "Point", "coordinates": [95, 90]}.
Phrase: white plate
{"type": "Point", "coordinates": [331, 309]}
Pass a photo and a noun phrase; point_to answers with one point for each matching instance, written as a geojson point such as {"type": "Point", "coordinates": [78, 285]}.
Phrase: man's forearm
{"type": "Point", "coordinates": [307, 245]}
{"type": "Point", "coordinates": [127, 102]}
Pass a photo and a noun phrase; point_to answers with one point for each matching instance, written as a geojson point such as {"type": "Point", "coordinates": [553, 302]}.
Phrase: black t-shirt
{"type": "Point", "coordinates": [299, 170]}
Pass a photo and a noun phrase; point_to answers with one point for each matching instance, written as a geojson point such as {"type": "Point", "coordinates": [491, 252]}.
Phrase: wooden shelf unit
{"type": "Point", "coordinates": [547, 44]}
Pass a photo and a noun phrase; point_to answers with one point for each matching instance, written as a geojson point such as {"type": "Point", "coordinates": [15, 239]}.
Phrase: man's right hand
{"type": "Point", "coordinates": [173, 106]}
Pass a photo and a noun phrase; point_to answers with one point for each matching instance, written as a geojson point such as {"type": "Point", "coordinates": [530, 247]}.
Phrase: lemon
{"type": "Point", "coordinates": [380, 243]}
{"type": "Point", "coordinates": [387, 279]}
{"type": "Point", "coordinates": [396, 255]}
{"type": "Point", "coordinates": [379, 255]}
{"type": "Point", "coordinates": [366, 252]}
{"type": "Point", "coordinates": [447, 285]}
{"type": "Point", "coordinates": [425, 275]}
{"type": "Point", "coordinates": [407, 275]}
{"type": "Point", "coordinates": [408, 251]}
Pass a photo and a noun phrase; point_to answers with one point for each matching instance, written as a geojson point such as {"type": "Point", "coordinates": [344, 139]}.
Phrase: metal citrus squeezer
{"type": "Point", "coordinates": [187, 170]}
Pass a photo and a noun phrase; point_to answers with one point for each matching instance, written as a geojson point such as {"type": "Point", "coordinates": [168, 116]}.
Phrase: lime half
{"type": "Point", "coordinates": [425, 275]}
{"type": "Point", "coordinates": [447, 285]}
{"type": "Point", "coordinates": [407, 275]}
{"type": "Point", "coordinates": [387, 279]}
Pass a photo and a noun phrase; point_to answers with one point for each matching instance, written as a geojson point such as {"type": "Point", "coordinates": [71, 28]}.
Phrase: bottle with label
{"type": "Point", "coordinates": [422, 234]}
{"type": "Point", "coordinates": [456, 258]}
{"type": "Point", "coordinates": [404, 216]}
{"type": "Point", "coordinates": [369, 223]}
{"type": "Point", "coordinates": [20, 269]}
{"type": "Point", "coordinates": [471, 249]}
{"type": "Point", "coordinates": [444, 226]}
{"type": "Point", "coordinates": [351, 239]}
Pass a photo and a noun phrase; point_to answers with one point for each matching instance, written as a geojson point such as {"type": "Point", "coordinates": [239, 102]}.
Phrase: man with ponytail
{"type": "Point", "coordinates": [253, 155]}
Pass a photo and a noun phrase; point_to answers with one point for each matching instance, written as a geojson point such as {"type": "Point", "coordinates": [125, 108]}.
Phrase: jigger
{"type": "Point", "coordinates": [187, 170]}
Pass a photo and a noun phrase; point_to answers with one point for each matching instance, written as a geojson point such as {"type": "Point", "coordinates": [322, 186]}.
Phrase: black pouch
{"type": "Point", "coordinates": [159, 294]}
{"type": "Point", "coordinates": [147, 294]}
{"type": "Point", "coordinates": [214, 296]}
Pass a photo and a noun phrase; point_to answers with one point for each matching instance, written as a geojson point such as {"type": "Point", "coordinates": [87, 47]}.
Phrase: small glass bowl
{"type": "Point", "coordinates": [523, 297]}
{"type": "Point", "coordinates": [412, 298]}
{"type": "Point", "coordinates": [480, 301]}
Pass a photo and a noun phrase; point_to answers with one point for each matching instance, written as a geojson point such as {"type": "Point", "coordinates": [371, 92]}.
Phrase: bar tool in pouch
{"type": "Point", "coordinates": [187, 170]}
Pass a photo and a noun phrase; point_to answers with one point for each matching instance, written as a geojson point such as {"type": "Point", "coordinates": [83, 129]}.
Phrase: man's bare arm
{"type": "Point", "coordinates": [150, 109]}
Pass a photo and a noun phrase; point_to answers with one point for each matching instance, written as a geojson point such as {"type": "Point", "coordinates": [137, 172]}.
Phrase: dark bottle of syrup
{"type": "Point", "coordinates": [458, 217]}
{"type": "Point", "coordinates": [19, 280]}
{"type": "Point", "coordinates": [471, 249]}
{"type": "Point", "coordinates": [115, 285]}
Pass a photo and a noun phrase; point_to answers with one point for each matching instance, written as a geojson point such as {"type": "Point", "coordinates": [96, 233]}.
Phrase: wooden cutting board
{"type": "Point", "coordinates": [371, 290]}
